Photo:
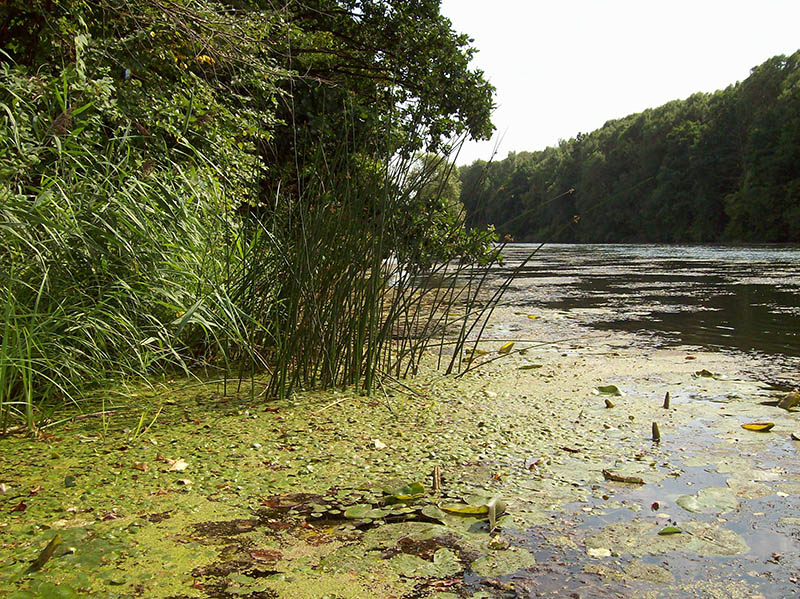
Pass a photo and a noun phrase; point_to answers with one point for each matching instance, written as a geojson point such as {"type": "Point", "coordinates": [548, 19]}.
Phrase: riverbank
{"type": "Point", "coordinates": [228, 496]}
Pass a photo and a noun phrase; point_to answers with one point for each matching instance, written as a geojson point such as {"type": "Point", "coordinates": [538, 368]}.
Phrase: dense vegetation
{"type": "Point", "coordinates": [216, 186]}
{"type": "Point", "coordinates": [714, 167]}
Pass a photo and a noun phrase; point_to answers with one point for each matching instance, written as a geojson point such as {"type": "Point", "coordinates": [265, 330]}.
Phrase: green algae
{"type": "Point", "coordinates": [636, 570]}
{"type": "Point", "coordinates": [709, 499]}
{"type": "Point", "coordinates": [638, 538]}
{"type": "Point", "coordinates": [503, 562]}
{"type": "Point", "coordinates": [541, 444]}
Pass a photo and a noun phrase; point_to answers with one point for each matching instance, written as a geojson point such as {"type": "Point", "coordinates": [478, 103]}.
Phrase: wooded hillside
{"type": "Point", "coordinates": [723, 166]}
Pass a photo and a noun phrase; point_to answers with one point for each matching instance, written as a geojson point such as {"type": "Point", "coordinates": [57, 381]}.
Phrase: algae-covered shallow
{"type": "Point", "coordinates": [332, 494]}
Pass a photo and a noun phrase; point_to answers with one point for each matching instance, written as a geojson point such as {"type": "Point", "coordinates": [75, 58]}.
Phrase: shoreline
{"type": "Point", "coordinates": [540, 438]}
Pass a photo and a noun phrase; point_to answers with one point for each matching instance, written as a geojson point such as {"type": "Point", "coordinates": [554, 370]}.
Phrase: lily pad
{"type": "Point", "coordinates": [461, 509]}
{"type": "Point", "coordinates": [364, 511]}
{"type": "Point", "coordinates": [608, 390]}
{"type": "Point", "coordinates": [759, 427]}
{"type": "Point", "coordinates": [445, 563]}
{"type": "Point", "coordinates": [404, 494]}
{"type": "Point", "coordinates": [711, 499]}
{"type": "Point", "coordinates": [502, 563]}
{"type": "Point", "coordinates": [670, 530]}
{"type": "Point", "coordinates": [433, 512]}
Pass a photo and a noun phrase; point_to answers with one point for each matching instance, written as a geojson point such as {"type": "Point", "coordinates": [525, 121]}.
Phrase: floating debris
{"type": "Point", "coordinates": [759, 427]}
{"type": "Point", "coordinates": [622, 478]}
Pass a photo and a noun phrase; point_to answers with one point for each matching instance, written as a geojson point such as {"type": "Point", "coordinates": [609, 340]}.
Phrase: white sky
{"type": "Point", "coordinates": [564, 66]}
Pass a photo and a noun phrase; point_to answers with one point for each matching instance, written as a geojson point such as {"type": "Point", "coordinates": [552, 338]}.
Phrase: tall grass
{"type": "Point", "coordinates": [114, 265]}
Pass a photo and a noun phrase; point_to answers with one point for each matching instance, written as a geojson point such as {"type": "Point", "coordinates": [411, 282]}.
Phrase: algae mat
{"type": "Point", "coordinates": [317, 496]}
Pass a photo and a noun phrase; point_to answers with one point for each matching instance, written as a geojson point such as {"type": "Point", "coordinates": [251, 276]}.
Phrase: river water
{"type": "Point", "coordinates": [743, 302]}
{"type": "Point", "coordinates": [714, 297]}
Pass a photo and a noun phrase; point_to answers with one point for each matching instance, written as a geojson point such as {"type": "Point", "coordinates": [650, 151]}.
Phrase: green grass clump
{"type": "Point", "coordinates": [124, 256]}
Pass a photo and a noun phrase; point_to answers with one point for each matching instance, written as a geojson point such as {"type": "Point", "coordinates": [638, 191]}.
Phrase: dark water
{"type": "Point", "coordinates": [716, 297]}
{"type": "Point", "coordinates": [729, 299]}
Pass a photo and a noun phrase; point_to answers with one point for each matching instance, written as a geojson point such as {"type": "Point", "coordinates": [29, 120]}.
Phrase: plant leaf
{"type": "Point", "coordinates": [465, 510]}
{"type": "Point", "coordinates": [608, 390]}
{"type": "Point", "coordinates": [759, 427]}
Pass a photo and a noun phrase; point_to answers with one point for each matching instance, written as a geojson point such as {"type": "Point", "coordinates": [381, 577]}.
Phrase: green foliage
{"type": "Point", "coordinates": [182, 186]}
{"type": "Point", "coordinates": [713, 167]}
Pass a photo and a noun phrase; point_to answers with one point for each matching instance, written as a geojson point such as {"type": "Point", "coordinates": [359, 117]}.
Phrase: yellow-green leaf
{"type": "Point", "coordinates": [465, 510]}
{"type": "Point", "coordinates": [670, 530]}
{"type": "Point", "coordinates": [506, 348]}
{"type": "Point", "coordinates": [759, 427]}
{"type": "Point", "coordinates": [609, 390]}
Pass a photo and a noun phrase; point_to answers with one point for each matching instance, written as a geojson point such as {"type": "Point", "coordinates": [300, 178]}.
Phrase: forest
{"type": "Point", "coordinates": [715, 167]}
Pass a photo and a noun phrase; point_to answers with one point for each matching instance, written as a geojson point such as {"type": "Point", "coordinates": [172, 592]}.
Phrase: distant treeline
{"type": "Point", "coordinates": [714, 167]}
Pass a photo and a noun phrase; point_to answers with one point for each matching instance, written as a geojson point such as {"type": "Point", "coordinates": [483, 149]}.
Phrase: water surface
{"type": "Point", "coordinates": [715, 297]}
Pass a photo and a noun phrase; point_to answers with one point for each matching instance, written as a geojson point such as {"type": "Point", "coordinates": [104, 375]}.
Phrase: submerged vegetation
{"type": "Point", "coordinates": [713, 167]}
{"type": "Point", "coordinates": [227, 188]}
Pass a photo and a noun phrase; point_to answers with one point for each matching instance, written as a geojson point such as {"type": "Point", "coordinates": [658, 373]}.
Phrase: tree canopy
{"type": "Point", "coordinates": [723, 166]}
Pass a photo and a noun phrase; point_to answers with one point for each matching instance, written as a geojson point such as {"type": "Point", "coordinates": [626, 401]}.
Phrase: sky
{"type": "Point", "coordinates": [567, 66]}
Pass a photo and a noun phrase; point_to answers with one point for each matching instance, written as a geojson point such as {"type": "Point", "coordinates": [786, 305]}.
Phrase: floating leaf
{"type": "Point", "coordinates": [533, 317]}
{"type": "Point", "coordinates": [530, 366]}
{"type": "Point", "coordinates": [177, 465]}
{"type": "Point", "coordinates": [669, 530]}
{"type": "Point", "coordinates": [142, 466]}
{"type": "Point", "coordinates": [404, 494]}
{"type": "Point", "coordinates": [265, 555]}
{"type": "Point", "coordinates": [608, 390]}
{"type": "Point", "coordinates": [506, 348]}
{"type": "Point", "coordinates": [759, 427]}
{"type": "Point", "coordinates": [795, 437]}
{"type": "Point", "coordinates": [466, 510]}
{"type": "Point", "coordinates": [364, 511]}
{"type": "Point", "coordinates": [598, 552]}
{"type": "Point", "coordinates": [20, 507]}
{"type": "Point", "coordinates": [434, 513]}
{"type": "Point", "coordinates": [609, 403]}
{"type": "Point", "coordinates": [704, 372]}
{"type": "Point", "coordinates": [711, 499]}
{"type": "Point", "coordinates": [622, 478]}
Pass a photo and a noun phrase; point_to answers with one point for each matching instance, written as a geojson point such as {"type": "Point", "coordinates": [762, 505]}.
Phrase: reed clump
{"type": "Point", "coordinates": [124, 260]}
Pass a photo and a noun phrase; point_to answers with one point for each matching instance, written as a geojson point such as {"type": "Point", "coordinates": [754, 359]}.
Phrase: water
{"type": "Point", "coordinates": [715, 297]}
{"type": "Point", "coordinates": [726, 299]}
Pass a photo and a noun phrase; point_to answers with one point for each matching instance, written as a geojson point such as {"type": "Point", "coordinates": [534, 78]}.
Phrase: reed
{"type": "Point", "coordinates": [118, 262]}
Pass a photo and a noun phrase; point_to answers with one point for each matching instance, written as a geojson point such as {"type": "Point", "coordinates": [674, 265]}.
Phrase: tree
{"type": "Point", "coordinates": [712, 167]}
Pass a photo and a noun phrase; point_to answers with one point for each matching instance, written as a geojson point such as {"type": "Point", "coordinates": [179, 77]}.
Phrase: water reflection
{"type": "Point", "coordinates": [744, 298]}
